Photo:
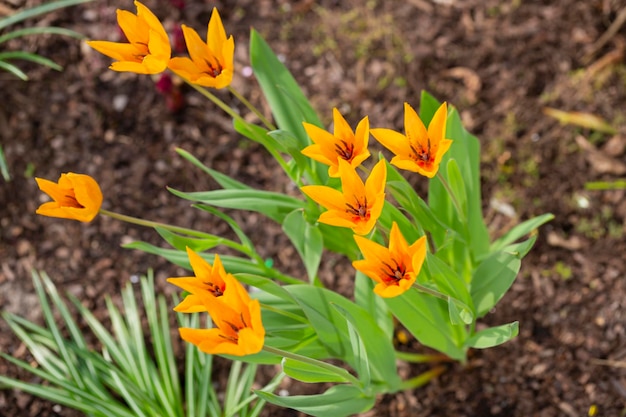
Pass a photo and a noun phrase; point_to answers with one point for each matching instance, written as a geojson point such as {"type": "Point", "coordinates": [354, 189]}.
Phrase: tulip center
{"type": "Point", "coordinates": [70, 201]}
{"type": "Point", "coordinates": [392, 274]}
{"type": "Point", "coordinates": [422, 155]}
{"type": "Point", "coordinates": [346, 151]}
{"type": "Point", "coordinates": [214, 289]}
{"type": "Point", "coordinates": [232, 332]}
{"type": "Point", "coordinates": [360, 211]}
{"type": "Point", "coordinates": [213, 70]}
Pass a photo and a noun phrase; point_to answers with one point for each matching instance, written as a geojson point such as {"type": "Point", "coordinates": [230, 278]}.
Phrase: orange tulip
{"type": "Point", "coordinates": [395, 269]}
{"type": "Point", "coordinates": [148, 50]}
{"type": "Point", "coordinates": [211, 63]}
{"type": "Point", "coordinates": [342, 144]}
{"type": "Point", "coordinates": [420, 150]}
{"type": "Point", "coordinates": [208, 280]}
{"type": "Point", "coordinates": [76, 197]}
{"type": "Point", "coordinates": [239, 328]}
{"type": "Point", "coordinates": [359, 205]}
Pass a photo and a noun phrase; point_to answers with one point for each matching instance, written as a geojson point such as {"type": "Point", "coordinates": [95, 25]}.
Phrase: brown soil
{"type": "Point", "coordinates": [498, 62]}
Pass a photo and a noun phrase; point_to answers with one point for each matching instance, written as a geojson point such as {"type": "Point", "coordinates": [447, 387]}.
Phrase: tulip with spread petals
{"type": "Point", "coordinates": [395, 268]}
{"type": "Point", "coordinates": [342, 144]}
{"type": "Point", "coordinates": [359, 205]}
{"type": "Point", "coordinates": [419, 150]}
{"type": "Point", "coordinates": [210, 63]}
{"type": "Point", "coordinates": [75, 196]}
{"type": "Point", "coordinates": [148, 50]}
{"type": "Point", "coordinates": [208, 280]}
{"type": "Point", "coordinates": [239, 330]}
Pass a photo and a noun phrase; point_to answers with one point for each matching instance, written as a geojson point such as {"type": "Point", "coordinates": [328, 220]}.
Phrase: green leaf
{"type": "Point", "coordinates": [49, 30]}
{"type": "Point", "coordinates": [223, 180]}
{"type": "Point", "coordinates": [274, 205]}
{"type": "Point", "coordinates": [307, 239]}
{"type": "Point", "coordinates": [332, 330]}
{"type": "Point", "coordinates": [427, 318]}
{"type": "Point", "coordinates": [13, 70]}
{"type": "Point", "coordinates": [492, 279]}
{"type": "Point", "coordinates": [493, 336]}
{"type": "Point", "coordinates": [28, 56]}
{"type": "Point", "coordinates": [306, 372]}
{"type": "Point", "coordinates": [337, 401]}
{"type": "Point", "coordinates": [4, 167]}
{"type": "Point", "coordinates": [38, 10]}
{"type": "Point", "coordinates": [289, 105]}
{"type": "Point", "coordinates": [181, 242]}
{"type": "Point", "coordinates": [520, 231]}
{"type": "Point", "coordinates": [358, 347]}
{"type": "Point", "coordinates": [457, 185]}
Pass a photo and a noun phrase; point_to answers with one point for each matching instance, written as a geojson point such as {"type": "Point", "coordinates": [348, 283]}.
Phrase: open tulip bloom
{"type": "Point", "coordinates": [148, 50]}
{"type": "Point", "coordinates": [358, 205]}
{"type": "Point", "coordinates": [211, 62]}
{"type": "Point", "coordinates": [438, 287]}
{"type": "Point", "coordinates": [419, 150]}
{"type": "Point", "coordinates": [342, 144]}
{"type": "Point", "coordinates": [394, 268]}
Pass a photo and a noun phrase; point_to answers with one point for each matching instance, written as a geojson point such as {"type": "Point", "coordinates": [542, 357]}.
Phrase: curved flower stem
{"type": "Point", "coordinates": [176, 229]}
{"type": "Point", "coordinates": [252, 108]}
{"type": "Point", "coordinates": [452, 196]}
{"type": "Point", "coordinates": [332, 368]}
{"type": "Point", "coordinates": [422, 379]}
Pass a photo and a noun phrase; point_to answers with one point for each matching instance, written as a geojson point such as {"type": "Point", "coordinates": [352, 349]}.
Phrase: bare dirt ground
{"type": "Point", "coordinates": [499, 62]}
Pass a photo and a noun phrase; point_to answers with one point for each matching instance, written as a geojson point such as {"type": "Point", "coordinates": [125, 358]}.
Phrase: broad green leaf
{"type": "Point", "coordinates": [520, 231]}
{"type": "Point", "coordinates": [337, 401]}
{"type": "Point", "coordinates": [521, 249]}
{"type": "Point", "coordinates": [307, 239]}
{"type": "Point", "coordinates": [459, 312]}
{"type": "Point", "coordinates": [358, 347]}
{"type": "Point", "coordinates": [447, 280]}
{"type": "Point", "coordinates": [332, 329]}
{"type": "Point", "coordinates": [365, 297]}
{"type": "Point", "coordinates": [457, 186]}
{"type": "Point", "coordinates": [392, 214]}
{"type": "Point", "coordinates": [306, 372]}
{"type": "Point", "coordinates": [289, 105]}
{"type": "Point", "coordinates": [492, 279]}
{"type": "Point", "coordinates": [274, 205]}
{"type": "Point", "coordinates": [493, 336]}
{"type": "Point", "coordinates": [427, 318]}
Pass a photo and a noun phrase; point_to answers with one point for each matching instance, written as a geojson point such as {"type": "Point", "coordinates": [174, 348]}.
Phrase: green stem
{"type": "Point", "coordinates": [452, 196]}
{"type": "Point", "coordinates": [332, 368]}
{"type": "Point", "coordinates": [421, 358]}
{"type": "Point", "coordinates": [422, 379]}
{"type": "Point", "coordinates": [177, 229]}
{"type": "Point", "coordinates": [252, 108]}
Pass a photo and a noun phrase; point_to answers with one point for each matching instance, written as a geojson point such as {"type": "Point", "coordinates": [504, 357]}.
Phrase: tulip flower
{"type": "Point", "coordinates": [75, 196]}
{"type": "Point", "coordinates": [239, 330]}
{"type": "Point", "coordinates": [342, 144]}
{"type": "Point", "coordinates": [211, 62]}
{"type": "Point", "coordinates": [420, 150]}
{"type": "Point", "coordinates": [359, 205]}
{"type": "Point", "coordinates": [395, 268]}
{"type": "Point", "coordinates": [148, 50]}
{"type": "Point", "coordinates": [208, 281]}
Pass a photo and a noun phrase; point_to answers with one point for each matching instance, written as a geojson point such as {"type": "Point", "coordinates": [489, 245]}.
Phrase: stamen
{"type": "Point", "coordinates": [394, 274]}
{"type": "Point", "coordinates": [360, 210]}
{"type": "Point", "coordinates": [346, 151]}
